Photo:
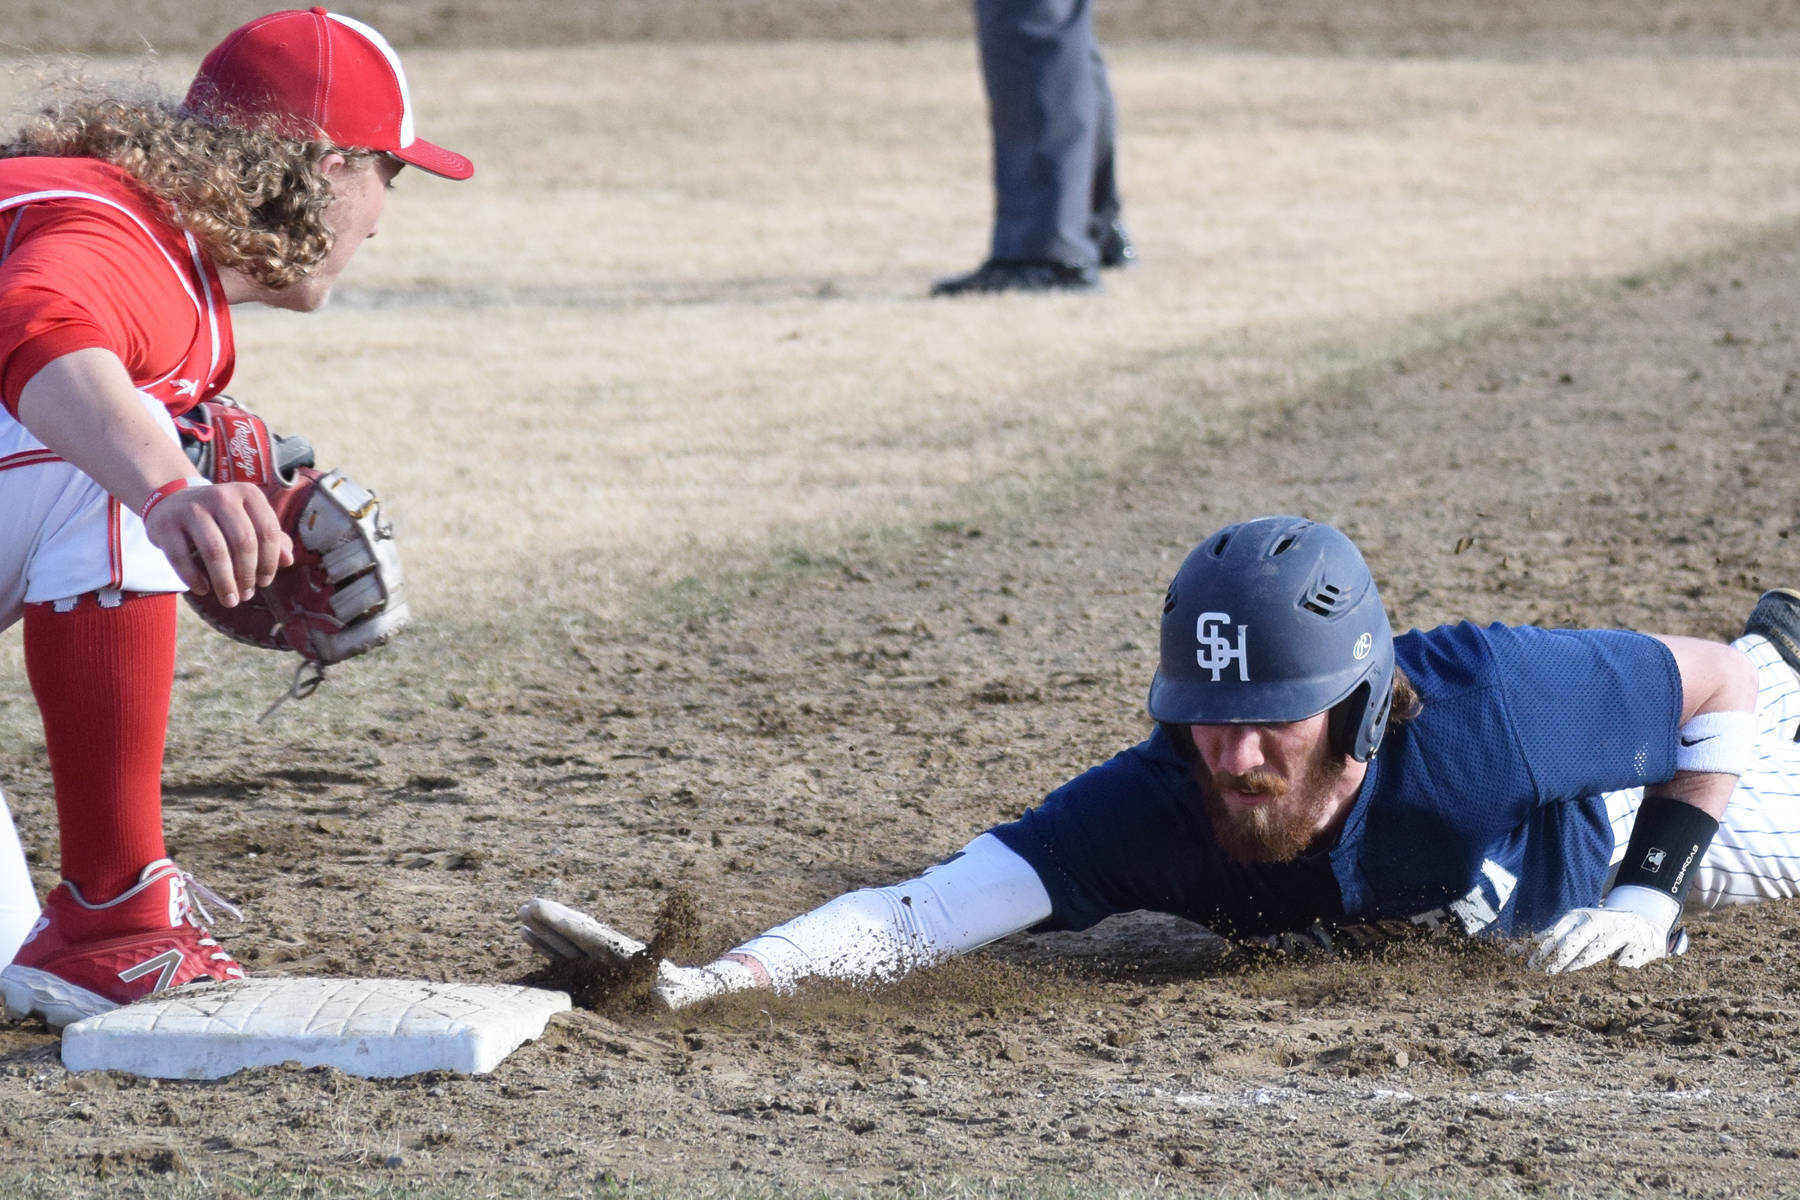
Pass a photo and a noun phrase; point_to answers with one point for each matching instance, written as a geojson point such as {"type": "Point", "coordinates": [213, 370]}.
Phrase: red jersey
{"type": "Point", "coordinates": [87, 260]}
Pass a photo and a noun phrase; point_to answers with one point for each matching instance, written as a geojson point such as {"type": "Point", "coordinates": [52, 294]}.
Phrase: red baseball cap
{"type": "Point", "coordinates": [319, 73]}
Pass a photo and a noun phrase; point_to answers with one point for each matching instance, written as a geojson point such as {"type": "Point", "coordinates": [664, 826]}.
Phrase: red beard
{"type": "Point", "coordinates": [1281, 830]}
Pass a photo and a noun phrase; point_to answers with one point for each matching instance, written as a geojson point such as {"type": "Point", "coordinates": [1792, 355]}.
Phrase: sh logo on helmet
{"type": "Point", "coordinates": [1215, 651]}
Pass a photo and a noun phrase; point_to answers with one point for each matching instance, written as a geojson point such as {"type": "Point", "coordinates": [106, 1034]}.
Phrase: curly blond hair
{"type": "Point", "coordinates": [254, 200]}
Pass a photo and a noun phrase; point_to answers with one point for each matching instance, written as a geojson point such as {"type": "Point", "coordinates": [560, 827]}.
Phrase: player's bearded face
{"type": "Point", "coordinates": [1284, 826]}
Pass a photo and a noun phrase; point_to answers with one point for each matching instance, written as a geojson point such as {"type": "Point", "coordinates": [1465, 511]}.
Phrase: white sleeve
{"type": "Point", "coordinates": [879, 934]}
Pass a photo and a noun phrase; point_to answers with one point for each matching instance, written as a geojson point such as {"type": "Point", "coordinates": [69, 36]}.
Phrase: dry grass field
{"type": "Point", "coordinates": [678, 321]}
{"type": "Point", "coordinates": [739, 563]}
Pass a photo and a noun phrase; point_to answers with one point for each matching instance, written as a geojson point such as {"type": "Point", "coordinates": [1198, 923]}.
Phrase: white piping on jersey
{"type": "Point", "coordinates": [203, 309]}
{"type": "Point", "coordinates": [212, 312]}
{"type": "Point", "coordinates": [27, 458]}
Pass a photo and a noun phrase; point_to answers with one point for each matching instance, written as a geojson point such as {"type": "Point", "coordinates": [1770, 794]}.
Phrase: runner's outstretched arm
{"type": "Point", "coordinates": [874, 935]}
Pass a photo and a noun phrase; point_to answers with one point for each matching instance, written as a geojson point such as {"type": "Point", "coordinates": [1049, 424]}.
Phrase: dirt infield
{"type": "Point", "coordinates": [1621, 456]}
{"type": "Point", "coordinates": [1625, 461]}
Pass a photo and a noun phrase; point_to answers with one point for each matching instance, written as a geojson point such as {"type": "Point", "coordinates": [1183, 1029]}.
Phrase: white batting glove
{"type": "Point", "coordinates": [1631, 924]}
{"type": "Point", "coordinates": [562, 934]}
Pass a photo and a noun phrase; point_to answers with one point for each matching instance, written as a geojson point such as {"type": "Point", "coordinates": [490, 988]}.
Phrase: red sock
{"type": "Point", "coordinates": [102, 678]}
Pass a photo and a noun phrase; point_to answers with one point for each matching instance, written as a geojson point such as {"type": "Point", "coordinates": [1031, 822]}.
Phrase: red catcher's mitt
{"type": "Point", "coordinates": [344, 595]}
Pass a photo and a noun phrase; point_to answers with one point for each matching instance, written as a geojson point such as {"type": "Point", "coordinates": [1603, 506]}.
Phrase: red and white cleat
{"type": "Point", "coordinates": [83, 959]}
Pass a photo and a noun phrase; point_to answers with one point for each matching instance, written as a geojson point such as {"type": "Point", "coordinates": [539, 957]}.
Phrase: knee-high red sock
{"type": "Point", "coordinates": [102, 678]}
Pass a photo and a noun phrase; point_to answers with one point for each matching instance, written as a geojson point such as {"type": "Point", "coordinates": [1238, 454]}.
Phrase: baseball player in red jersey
{"type": "Point", "coordinates": [128, 229]}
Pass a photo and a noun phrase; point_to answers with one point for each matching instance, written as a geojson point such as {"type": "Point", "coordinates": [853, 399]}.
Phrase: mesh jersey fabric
{"type": "Point", "coordinates": [1486, 808]}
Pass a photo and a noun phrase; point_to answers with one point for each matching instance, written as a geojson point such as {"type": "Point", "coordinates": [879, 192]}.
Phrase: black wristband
{"type": "Point", "coordinates": [1667, 843]}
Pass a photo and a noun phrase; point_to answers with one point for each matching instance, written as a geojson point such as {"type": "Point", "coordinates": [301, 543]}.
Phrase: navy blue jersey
{"type": "Point", "coordinates": [1483, 811]}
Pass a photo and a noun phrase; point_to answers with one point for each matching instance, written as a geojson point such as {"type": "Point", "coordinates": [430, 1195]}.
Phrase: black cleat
{"type": "Point", "coordinates": [1115, 246]}
{"type": "Point", "coordinates": [997, 275]}
{"type": "Point", "coordinates": [1777, 618]}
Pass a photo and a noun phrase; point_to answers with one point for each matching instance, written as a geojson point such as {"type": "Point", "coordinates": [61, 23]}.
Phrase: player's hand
{"type": "Point", "coordinates": [1632, 924]}
{"type": "Point", "coordinates": [222, 539]}
{"type": "Point", "coordinates": [562, 934]}
{"type": "Point", "coordinates": [1592, 935]}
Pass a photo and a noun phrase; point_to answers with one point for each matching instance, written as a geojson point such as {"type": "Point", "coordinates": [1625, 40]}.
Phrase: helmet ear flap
{"type": "Point", "coordinates": [1345, 721]}
{"type": "Point", "coordinates": [1356, 722]}
{"type": "Point", "coordinates": [1378, 719]}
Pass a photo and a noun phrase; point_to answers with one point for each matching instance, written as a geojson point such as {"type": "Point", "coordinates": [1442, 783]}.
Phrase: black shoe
{"type": "Point", "coordinates": [997, 275]}
{"type": "Point", "coordinates": [1115, 245]}
{"type": "Point", "coordinates": [1777, 618]}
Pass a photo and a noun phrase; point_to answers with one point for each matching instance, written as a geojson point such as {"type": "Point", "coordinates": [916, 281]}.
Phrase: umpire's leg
{"type": "Point", "coordinates": [1103, 202]}
{"type": "Point", "coordinates": [1040, 66]}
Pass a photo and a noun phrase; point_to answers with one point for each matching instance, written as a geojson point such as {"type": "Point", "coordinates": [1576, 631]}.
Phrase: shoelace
{"type": "Point", "coordinates": [198, 895]}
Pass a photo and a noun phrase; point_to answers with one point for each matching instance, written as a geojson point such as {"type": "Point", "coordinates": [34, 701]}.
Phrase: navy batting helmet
{"type": "Point", "coordinates": [1272, 621]}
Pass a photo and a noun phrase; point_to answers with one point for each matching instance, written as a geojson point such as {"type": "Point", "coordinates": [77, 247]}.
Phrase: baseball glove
{"type": "Point", "coordinates": [343, 595]}
{"type": "Point", "coordinates": [228, 443]}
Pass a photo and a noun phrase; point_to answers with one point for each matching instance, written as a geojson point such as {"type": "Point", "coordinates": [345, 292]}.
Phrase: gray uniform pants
{"type": "Point", "coordinates": [1052, 116]}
